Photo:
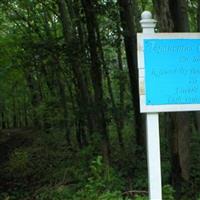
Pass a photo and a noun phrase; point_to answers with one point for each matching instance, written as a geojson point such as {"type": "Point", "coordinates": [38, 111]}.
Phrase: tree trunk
{"type": "Point", "coordinates": [80, 123]}
{"type": "Point", "coordinates": [121, 82]}
{"type": "Point", "coordinates": [3, 120]}
{"type": "Point", "coordinates": [179, 15]}
{"type": "Point", "coordinates": [129, 34]}
{"type": "Point", "coordinates": [115, 112]}
{"type": "Point", "coordinates": [14, 118]}
{"type": "Point", "coordinates": [198, 16]}
{"type": "Point", "coordinates": [75, 53]}
{"type": "Point", "coordinates": [163, 15]}
{"type": "Point", "coordinates": [65, 19]}
{"type": "Point", "coordinates": [36, 97]}
{"type": "Point", "coordinates": [96, 75]}
{"type": "Point", "coordinates": [63, 101]}
{"type": "Point", "coordinates": [181, 24]}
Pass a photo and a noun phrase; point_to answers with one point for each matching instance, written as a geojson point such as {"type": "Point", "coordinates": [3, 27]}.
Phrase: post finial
{"type": "Point", "coordinates": [146, 15]}
{"type": "Point", "coordinates": [147, 22]}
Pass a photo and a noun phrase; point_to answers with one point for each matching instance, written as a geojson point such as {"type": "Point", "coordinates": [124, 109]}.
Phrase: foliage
{"type": "Point", "coordinates": [103, 184]}
{"type": "Point", "coordinates": [59, 193]}
{"type": "Point", "coordinates": [195, 160]}
{"type": "Point", "coordinates": [168, 192]}
{"type": "Point", "coordinates": [18, 162]}
{"type": "Point", "coordinates": [140, 198]}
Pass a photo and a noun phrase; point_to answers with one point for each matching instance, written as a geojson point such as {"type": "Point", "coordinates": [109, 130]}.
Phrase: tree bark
{"type": "Point", "coordinates": [14, 118]}
{"type": "Point", "coordinates": [115, 112]}
{"type": "Point", "coordinates": [121, 82]}
{"type": "Point", "coordinates": [63, 101]}
{"type": "Point", "coordinates": [36, 97]}
{"type": "Point", "coordinates": [198, 16]}
{"type": "Point", "coordinates": [163, 15]}
{"type": "Point", "coordinates": [96, 75]}
{"type": "Point", "coordinates": [3, 121]}
{"type": "Point", "coordinates": [129, 34]}
{"type": "Point", "coordinates": [71, 40]}
{"type": "Point", "coordinates": [178, 9]}
{"type": "Point", "coordinates": [65, 19]}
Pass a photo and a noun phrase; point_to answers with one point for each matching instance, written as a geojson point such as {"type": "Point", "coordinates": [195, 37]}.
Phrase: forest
{"type": "Point", "coordinates": [70, 124]}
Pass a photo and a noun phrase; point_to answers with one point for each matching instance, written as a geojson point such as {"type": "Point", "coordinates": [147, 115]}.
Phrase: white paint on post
{"type": "Point", "coordinates": [148, 23]}
{"type": "Point", "coordinates": [153, 153]}
{"type": "Point", "coordinates": [153, 139]}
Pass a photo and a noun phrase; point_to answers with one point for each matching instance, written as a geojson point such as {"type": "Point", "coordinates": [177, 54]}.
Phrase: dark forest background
{"type": "Point", "coordinates": [69, 106]}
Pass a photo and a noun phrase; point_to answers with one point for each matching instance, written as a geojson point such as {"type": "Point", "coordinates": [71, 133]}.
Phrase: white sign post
{"type": "Point", "coordinates": [169, 71]}
{"type": "Point", "coordinates": [152, 125]}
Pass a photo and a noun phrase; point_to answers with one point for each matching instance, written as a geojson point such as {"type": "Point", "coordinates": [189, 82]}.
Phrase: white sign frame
{"type": "Point", "coordinates": [141, 68]}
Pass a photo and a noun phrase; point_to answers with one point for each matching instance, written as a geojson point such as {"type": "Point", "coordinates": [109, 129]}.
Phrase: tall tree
{"type": "Point", "coordinates": [182, 131]}
{"type": "Point", "coordinates": [96, 74]}
{"type": "Point", "coordinates": [179, 13]}
{"type": "Point", "coordinates": [74, 57]}
{"type": "Point", "coordinates": [163, 15]}
{"type": "Point", "coordinates": [129, 33]}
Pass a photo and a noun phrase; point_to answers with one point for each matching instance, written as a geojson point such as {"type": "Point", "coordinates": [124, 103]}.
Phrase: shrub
{"type": "Point", "coordinates": [18, 161]}
{"type": "Point", "coordinates": [168, 192]}
{"type": "Point", "coordinates": [103, 184]}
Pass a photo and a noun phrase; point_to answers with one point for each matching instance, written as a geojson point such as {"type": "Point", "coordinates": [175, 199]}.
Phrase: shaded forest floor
{"type": "Point", "coordinates": [39, 165]}
{"type": "Point", "coordinates": [36, 165]}
{"type": "Point", "coordinates": [10, 139]}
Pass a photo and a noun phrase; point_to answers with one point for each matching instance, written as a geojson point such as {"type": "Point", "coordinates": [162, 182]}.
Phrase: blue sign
{"type": "Point", "coordinates": [172, 71]}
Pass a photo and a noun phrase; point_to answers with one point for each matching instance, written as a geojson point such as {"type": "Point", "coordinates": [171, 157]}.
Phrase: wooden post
{"type": "Point", "coordinates": [152, 122]}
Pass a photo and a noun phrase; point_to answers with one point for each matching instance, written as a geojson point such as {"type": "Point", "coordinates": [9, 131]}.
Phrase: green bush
{"type": "Point", "coordinates": [168, 193]}
{"type": "Point", "coordinates": [63, 193]}
{"type": "Point", "coordinates": [103, 184]}
{"type": "Point", "coordinates": [140, 198]}
{"type": "Point", "coordinates": [18, 161]}
{"type": "Point", "coordinates": [195, 163]}
{"type": "Point", "coordinates": [58, 193]}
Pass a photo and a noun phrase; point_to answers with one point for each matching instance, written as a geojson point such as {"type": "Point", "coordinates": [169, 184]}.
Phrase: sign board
{"type": "Point", "coordinates": [169, 72]}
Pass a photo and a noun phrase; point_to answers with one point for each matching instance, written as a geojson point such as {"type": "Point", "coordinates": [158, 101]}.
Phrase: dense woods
{"type": "Point", "coordinates": [70, 126]}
